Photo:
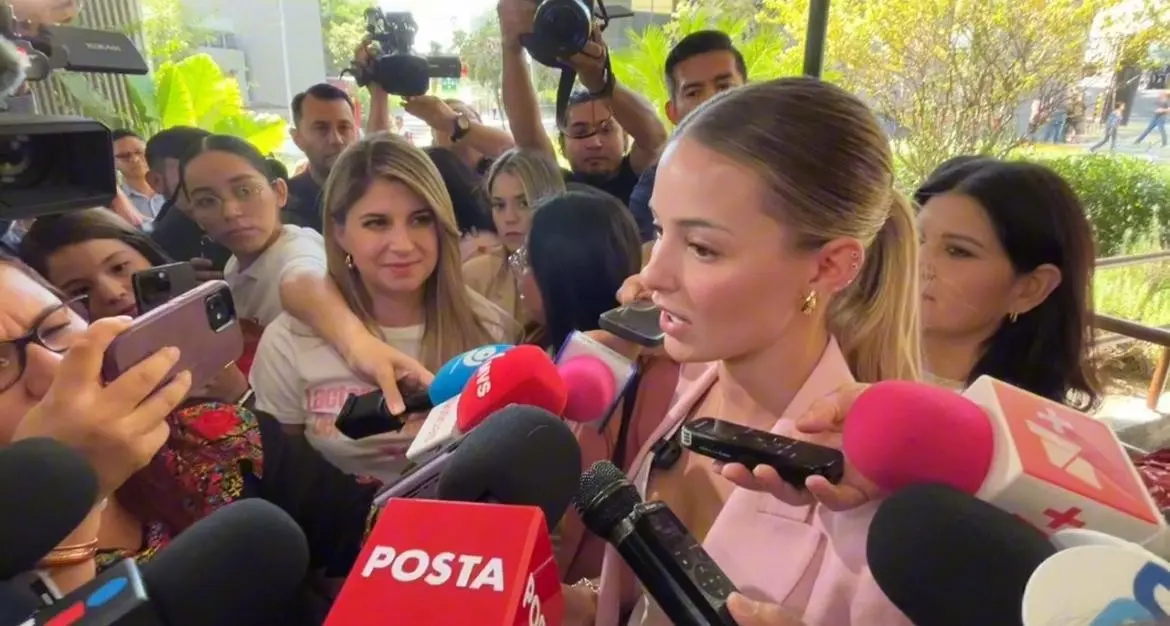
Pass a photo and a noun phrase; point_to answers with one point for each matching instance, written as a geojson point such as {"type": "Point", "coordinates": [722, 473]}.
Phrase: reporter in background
{"type": "Point", "coordinates": [787, 262]}
{"type": "Point", "coordinates": [593, 132]}
{"type": "Point", "coordinates": [393, 253]}
{"type": "Point", "coordinates": [1006, 260]}
{"type": "Point", "coordinates": [582, 245]}
{"type": "Point", "coordinates": [211, 454]}
{"type": "Point", "coordinates": [701, 65]}
{"type": "Point", "coordinates": [517, 182]}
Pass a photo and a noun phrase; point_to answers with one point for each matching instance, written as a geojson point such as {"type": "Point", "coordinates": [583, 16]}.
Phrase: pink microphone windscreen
{"type": "Point", "coordinates": [900, 433]}
{"type": "Point", "coordinates": [591, 388]}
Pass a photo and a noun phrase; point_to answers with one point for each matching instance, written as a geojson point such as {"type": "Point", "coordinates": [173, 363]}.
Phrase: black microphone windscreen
{"type": "Point", "coordinates": [945, 558]}
{"type": "Point", "coordinates": [46, 490]}
{"type": "Point", "coordinates": [604, 497]}
{"type": "Point", "coordinates": [518, 455]}
{"type": "Point", "coordinates": [17, 603]}
{"type": "Point", "coordinates": [241, 565]}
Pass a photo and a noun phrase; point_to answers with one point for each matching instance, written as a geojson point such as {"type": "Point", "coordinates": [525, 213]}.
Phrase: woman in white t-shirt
{"type": "Point", "coordinates": [393, 252]}
{"type": "Point", "coordinates": [236, 195]}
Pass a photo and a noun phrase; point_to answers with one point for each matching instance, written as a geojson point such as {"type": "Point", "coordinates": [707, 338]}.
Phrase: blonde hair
{"type": "Point", "coordinates": [827, 162]}
{"type": "Point", "coordinates": [537, 173]}
{"type": "Point", "coordinates": [455, 318]}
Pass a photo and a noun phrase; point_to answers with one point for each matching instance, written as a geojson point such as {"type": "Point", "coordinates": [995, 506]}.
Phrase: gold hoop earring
{"type": "Point", "coordinates": [1012, 317]}
{"type": "Point", "coordinates": [810, 303]}
{"type": "Point", "coordinates": [349, 261]}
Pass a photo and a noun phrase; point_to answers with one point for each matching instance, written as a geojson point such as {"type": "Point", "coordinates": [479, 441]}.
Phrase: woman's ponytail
{"type": "Point", "coordinates": [876, 319]}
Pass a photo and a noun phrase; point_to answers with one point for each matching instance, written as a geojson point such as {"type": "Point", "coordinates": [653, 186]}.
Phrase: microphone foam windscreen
{"type": "Point", "coordinates": [604, 497]}
{"type": "Point", "coordinates": [46, 490]}
{"type": "Point", "coordinates": [946, 559]}
{"type": "Point", "coordinates": [901, 433]}
{"type": "Point", "coordinates": [241, 565]}
{"type": "Point", "coordinates": [453, 376]}
{"type": "Point", "coordinates": [522, 375]}
{"type": "Point", "coordinates": [518, 455]}
{"type": "Point", "coordinates": [591, 388]}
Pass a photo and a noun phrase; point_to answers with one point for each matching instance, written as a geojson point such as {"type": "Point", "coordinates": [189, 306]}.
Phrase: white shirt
{"type": "Point", "coordinates": [301, 380]}
{"type": "Point", "coordinates": [256, 288]}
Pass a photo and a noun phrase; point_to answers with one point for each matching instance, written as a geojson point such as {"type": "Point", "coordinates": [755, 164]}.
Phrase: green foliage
{"type": "Point", "coordinates": [343, 26]}
{"type": "Point", "coordinates": [1127, 199]}
{"type": "Point", "coordinates": [482, 53]}
{"type": "Point", "coordinates": [168, 31]}
{"type": "Point", "coordinates": [1135, 292]}
{"type": "Point", "coordinates": [196, 92]}
{"type": "Point", "coordinates": [766, 49]}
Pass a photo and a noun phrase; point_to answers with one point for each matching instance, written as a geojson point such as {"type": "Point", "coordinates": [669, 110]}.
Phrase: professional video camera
{"type": "Point", "coordinates": [393, 67]}
{"type": "Point", "coordinates": [54, 164]}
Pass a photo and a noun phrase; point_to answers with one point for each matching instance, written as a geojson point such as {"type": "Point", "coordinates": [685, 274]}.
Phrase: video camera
{"type": "Point", "coordinates": [54, 164]}
{"type": "Point", "coordinates": [394, 68]}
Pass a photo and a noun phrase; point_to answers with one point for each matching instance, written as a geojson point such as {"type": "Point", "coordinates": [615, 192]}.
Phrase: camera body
{"type": "Point", "coordinates": [394, 67]}
{"type": "Point", "coordinates": [560, 29]}
{"type": "Point", "coordinates": [51, 164]}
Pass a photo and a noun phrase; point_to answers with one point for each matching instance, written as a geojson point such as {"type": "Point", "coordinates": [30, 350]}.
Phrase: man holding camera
{"type": "Point", "coordinates": [598, 123]}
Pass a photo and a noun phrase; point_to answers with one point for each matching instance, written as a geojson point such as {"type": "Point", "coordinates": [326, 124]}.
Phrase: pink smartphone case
{"type": "Point", "coordinates": [181, 323]}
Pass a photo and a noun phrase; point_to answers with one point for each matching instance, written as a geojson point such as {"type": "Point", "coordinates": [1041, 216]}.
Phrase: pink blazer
{"type": "Point", "coordinates": [808, 559]}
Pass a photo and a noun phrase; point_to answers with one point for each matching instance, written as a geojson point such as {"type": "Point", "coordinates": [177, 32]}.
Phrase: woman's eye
{"type": "Point", "coordinates": [958, 252]}
{"type": "Point", "coordinates": [701, 251]}
{"type": "Point", "coordinates": [423, 219]}
{"type": "Point", "coordinates": [121, 268]}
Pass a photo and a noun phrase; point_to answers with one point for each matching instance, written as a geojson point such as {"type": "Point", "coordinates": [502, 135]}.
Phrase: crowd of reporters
{"type": "Point", "coordinates": [766, 228]}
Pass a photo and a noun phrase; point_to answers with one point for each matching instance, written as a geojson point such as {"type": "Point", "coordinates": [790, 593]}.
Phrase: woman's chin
{"type": "Point", "coordinates": [682, 352]}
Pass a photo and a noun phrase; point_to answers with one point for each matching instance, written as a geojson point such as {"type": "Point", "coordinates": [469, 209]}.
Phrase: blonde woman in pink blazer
{"type": "Point", "coordinates": [787, 264]}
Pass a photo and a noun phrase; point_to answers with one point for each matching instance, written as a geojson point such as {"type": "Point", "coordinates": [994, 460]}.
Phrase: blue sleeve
{"type": "Point", "coordinates": [640, 203]}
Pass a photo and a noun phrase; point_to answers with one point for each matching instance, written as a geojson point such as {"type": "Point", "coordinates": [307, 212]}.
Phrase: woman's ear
{"type": "Point", "coordinates": [1033, 288]}
{"type": "Point", "coordinates": [838, 265]}
{"type": "Point", "coordinates": [280, 188]}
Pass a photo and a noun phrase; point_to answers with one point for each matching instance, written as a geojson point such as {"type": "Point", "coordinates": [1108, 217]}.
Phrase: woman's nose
{"type": "Point", "coordinates": [112, 291]}
{"type": "Point", "coordinates": [657, 274]}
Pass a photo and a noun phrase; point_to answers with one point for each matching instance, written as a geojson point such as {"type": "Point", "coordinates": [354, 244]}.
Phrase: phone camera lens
{"type": "Point", "coordinates": [219, 311]}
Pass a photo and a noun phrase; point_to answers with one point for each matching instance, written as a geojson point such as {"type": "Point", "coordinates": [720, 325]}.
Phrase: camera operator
{"type": "Point", "coordinates": [593, 133]}
{"type": "Point", "coordinates": [454, 125]}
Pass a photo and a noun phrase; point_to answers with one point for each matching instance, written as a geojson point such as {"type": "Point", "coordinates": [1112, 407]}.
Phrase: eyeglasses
{"type": "Point", "coordinates": [583, 131]}
{"type": "Point", "coordinates": [243, 193]}
{"type": "Point", "coordinates": [55, 330]}
{"type": "Point", "coordinates": [518, 261]}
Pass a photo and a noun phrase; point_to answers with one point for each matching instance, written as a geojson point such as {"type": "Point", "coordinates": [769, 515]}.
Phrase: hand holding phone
{"type": "Point", "coordinates": [637, 323]}
{"type": "Point", "coordinates": [201, 323]}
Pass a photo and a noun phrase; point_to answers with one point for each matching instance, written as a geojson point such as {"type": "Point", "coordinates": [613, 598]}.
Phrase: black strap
{"type": "Point", "coordinates": [629, 399]}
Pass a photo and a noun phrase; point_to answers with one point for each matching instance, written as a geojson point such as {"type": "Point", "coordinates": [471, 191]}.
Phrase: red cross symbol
{"type": "Point", "coordinates": [1066, 518]}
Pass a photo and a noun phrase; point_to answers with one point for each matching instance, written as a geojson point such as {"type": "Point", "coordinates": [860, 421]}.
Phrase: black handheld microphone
{"type": "Point", "coordinates": [46, 490]}
{"type": "Point", "coordinates": [945, 558]}
{"type": "Point", "coordinates": [675, 570]}
{"type": "Point", "coordinates": [238, 566]}
{"type": "Point", "coordinates": [520, 455]}
{"type": "Point", "coordinates": [17, 603]}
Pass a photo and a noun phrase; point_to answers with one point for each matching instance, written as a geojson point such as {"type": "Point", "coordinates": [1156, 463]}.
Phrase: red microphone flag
{"type": "Point", "coordinates": [434, 562]}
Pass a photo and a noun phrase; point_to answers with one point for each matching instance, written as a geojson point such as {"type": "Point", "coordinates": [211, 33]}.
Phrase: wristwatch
{"type": "Point", "coordinates": [462, 127]}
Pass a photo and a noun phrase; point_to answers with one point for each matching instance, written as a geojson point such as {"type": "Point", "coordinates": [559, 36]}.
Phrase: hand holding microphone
{"type": "Point", "coordinates": [820, 424]}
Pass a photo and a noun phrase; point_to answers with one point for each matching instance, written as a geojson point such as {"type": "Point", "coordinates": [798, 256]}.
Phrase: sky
{"type": "Point", "coordinates": [437, 18]}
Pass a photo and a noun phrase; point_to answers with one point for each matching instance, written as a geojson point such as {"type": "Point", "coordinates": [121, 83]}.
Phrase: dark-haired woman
{"type": "Point", "coordinates": [471, 203]}
{"type": "Point", "coordinates": [236, 197]}
{"type": "Point", "coordinates": [1006, 267]}
{"type": "Point", "coordinates": [581, 246]}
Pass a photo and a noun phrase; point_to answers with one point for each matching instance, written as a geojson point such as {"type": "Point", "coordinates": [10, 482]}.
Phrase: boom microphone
{"type": "Point", "coordinates": [522, 375]}
{"type": "Point", "coordinates": [46, 491]}
{"type": "Point", "coordinates": [946, 559]}
{"type": "Point", "coordinates": [1048, 464]}
{"type": "Point", "coordinates": [682, 578]}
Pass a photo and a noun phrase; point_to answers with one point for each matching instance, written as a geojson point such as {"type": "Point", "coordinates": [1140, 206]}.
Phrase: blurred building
{"type": "Point", "coordinates": [274, 47]}
{"type": "Point", "coordinates": [645, 13]}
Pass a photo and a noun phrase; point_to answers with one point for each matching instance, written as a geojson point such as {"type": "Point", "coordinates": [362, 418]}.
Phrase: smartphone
{"type": "Point", "coordinates": [201, 323]}
{"type": "Point", "coordinates": [636, 322]}
{"type": "Point", "coordinates": [159, 285]}
{"type": "Point", "coordinates": [794, 460]}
